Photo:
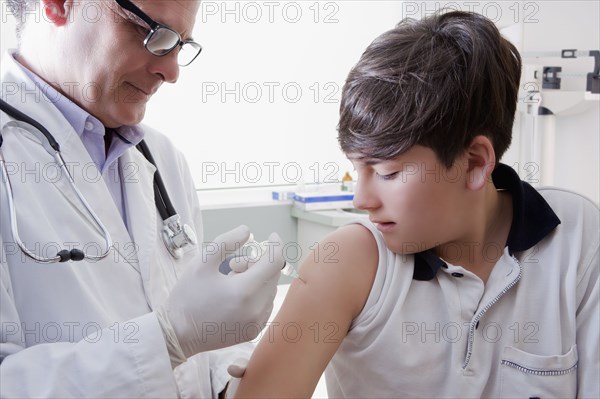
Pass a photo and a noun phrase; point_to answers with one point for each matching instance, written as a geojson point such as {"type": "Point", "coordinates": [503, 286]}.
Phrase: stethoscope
{"type": "Point", "coordinates": [175, 236]}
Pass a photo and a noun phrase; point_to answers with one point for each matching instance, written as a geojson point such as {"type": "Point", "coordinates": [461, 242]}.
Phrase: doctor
{"type": "Point", "coordinates": [140, 322]}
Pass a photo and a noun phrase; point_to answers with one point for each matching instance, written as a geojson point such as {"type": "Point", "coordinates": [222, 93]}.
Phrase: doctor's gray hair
{"type": "Point", "coordinates": [20, 9]}
{"type": "Point", "coordinates": [437, 82]}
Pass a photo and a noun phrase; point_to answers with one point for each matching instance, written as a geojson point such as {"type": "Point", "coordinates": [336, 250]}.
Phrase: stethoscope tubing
{"type": "Point", "coordinates": [61, 163]}
{"type": "Point", "coordinates": [167, 209]}
{"type": "Point", "coordinates": [13, 218]}
{"type": "Point", "coordinates": [20, 116]}
{"type": "Point", "coordinates": [107, 239]}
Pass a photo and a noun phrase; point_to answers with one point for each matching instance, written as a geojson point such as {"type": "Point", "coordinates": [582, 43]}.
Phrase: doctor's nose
{"type": "Point", "coordinates": [166, 67]}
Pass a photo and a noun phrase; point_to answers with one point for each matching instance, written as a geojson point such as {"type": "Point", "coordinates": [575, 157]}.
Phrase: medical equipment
{"type": "Point", "coordinates": [322, 200]}
{"type": "Point", "coordinates": [175, 235]}
{"type": "Point", "coordinates": [544, 97]}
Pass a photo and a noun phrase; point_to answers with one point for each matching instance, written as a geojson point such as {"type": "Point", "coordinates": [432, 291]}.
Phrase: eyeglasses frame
{"type": "Point", "coordinates": [154, 27]}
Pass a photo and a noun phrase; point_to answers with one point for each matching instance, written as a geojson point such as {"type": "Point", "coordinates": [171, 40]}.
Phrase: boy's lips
{"type": "Point", "coordinates": [384, 226]}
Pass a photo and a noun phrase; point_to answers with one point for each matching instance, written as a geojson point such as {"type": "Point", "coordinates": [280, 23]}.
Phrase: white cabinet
{"type": "Point", "coordinates": [313, 226]}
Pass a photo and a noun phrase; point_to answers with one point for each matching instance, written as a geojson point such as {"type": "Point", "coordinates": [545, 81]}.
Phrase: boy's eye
{"type": "Point", "coordinates": [389, 176]}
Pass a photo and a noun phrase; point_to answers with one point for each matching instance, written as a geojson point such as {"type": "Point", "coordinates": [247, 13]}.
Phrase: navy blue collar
{"type": "Point", "coordinates": [533, 219]}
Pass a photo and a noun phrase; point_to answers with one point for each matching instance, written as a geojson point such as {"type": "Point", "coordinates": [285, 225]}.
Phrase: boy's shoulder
{"type": "Point", "coordinates": [565, 197]}
{"type": "Point", "coordinates": [352, 248]}
{"type": "Point", "coordinates": [579, 230]}
{"type": "Point", "coordinates": [574, 210]}
{"type": "Point", "coordinates": [344, 265]}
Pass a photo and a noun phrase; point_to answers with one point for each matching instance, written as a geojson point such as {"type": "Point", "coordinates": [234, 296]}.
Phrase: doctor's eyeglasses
{"type": "Point", "coordinates": [161, 39]}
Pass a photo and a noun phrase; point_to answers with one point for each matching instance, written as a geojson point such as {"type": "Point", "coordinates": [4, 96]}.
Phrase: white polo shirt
{"type": "Point", "coordinates": [433, 329]}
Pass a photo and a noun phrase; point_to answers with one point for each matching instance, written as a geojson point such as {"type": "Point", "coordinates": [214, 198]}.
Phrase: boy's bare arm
{"type": "Point", "coordinates": [315, 316]}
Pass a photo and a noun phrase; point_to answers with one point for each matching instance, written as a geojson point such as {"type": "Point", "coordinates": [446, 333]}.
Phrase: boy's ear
{"type": "Point", "coordinates": [481, 159]}
{"type": "Point", "coordinates": [56, 11]}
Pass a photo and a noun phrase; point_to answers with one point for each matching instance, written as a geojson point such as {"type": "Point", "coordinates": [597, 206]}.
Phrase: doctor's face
{"type": "Point", "coordinates": [104, 53]}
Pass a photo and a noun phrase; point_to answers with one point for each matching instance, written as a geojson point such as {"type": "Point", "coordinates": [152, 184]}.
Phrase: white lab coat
{"type": "Point", "coordinates": [87, 329]}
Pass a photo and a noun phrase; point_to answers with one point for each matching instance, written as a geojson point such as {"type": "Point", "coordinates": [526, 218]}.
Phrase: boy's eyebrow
{"type": "Point", "coordinates": [372, 161]}
{"type": "Point", "coordinates": [364, 159]}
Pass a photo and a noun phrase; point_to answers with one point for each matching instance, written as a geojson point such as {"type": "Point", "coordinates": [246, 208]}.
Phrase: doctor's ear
{"type": "Point", "coordinates": [481, 159]}
{"type": "Point", "coordinates": [57, 11]}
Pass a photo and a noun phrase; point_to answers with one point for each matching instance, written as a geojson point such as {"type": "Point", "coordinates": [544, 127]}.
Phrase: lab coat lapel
{"type": "Point", "coordinates": [138, 185]}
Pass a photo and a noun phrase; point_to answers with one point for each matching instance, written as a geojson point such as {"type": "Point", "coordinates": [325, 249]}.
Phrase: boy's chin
{"type": "Point", "coordinates": [405, 247]}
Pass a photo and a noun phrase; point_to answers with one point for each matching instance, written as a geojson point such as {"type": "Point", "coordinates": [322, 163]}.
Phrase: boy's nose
{"type": "Point", "coordinates": [363, 198]}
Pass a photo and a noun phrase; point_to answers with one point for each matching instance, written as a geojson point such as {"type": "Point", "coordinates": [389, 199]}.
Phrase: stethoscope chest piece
{"type": "Point", "coordinates": [177, 236]}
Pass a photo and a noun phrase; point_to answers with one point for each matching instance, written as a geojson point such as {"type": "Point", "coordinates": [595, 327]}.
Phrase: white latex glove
{"type": "Point", "coordinates": [236, 370]}
{"type": "Point", "coordinates": [208, 310]}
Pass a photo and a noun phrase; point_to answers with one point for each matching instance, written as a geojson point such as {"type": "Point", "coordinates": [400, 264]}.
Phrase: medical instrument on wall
{"type": "Point", "coordinates": [175, 235]}
{"type": "Point", "coordinates": [547, 91]}
{"type": "Point", "coordinates": [252, 251]}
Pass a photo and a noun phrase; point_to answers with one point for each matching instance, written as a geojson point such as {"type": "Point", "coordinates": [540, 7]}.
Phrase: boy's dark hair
{"type": "Point", "coordinates": [437, 82]}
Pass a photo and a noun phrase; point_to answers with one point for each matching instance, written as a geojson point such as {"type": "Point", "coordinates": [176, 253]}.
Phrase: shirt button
{"type": "Point", "coordinates": [455, 274]}
{"type": "Point", "coordinates": [89, 125]}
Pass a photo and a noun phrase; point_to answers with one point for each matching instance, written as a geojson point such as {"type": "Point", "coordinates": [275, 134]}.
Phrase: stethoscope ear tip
{"type": "Point", "coordinates": [77, 254]}
{"type": "Point", "coordinates": [74, 255]}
